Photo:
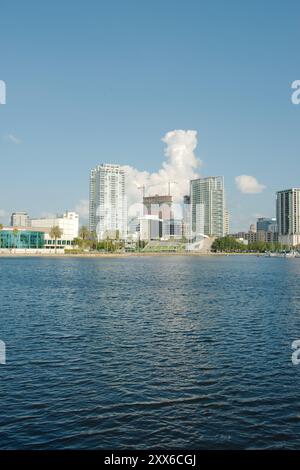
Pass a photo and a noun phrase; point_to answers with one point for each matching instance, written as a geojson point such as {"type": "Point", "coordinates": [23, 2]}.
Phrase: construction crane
{"type": "Point", "coordinates": [169, 186]}
{"type": "Point", "coordinates": [143, 189]}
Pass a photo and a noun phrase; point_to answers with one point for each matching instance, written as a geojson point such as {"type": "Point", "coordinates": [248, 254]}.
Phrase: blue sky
{"type": "Point", "coordinates": [97, 81]}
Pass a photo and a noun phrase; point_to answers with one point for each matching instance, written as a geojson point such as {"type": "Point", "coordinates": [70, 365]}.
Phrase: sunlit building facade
{"type": "Point", "coordinates": [207, 200]}
{"type": "Point", "coordinates": [107, 203]}
{"type": "Point", "coordinates": [288, 216]}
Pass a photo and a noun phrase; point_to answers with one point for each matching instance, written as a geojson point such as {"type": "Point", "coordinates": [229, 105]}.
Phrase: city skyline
{"type": "Point", "coordinates": [126, 95]}
{"type": "Point", "coordinates": [207, 214]}
{"type": "Point", "coordinates": [86, 219]}
{"type": "Point", "coordinates": [247, 184]}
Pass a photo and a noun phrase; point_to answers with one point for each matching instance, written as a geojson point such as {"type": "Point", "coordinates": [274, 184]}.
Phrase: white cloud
{"type": "Point", "coordinates": [180, 166]}
{"type": "Point", "coordinates": [248, 184]}
{"type": "Point", "coordinates": [13, 139]}
{"type": "Point", "coordinates": [82, 208]}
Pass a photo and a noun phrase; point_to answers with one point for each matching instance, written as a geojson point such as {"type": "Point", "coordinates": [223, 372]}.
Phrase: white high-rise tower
{"type": "Point", "coordinates": [108, 208]}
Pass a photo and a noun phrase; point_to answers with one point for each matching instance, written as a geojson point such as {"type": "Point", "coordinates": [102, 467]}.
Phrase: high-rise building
{"type": "Point", "coordinates": [288, 216]}
{"type": "Point", "coordinates": [158, 205]}
{"type": "Point", "coordinates": [108, 208]}
{"type": "Point", "coordinates": [187, 217]}
{"type": "Point", "coordinates": [161, 207]}
{"type": "Point", "coordinates": [208, 206]}
{"type": "Point", "coordinates": [19, 219]}
{"type": "Point", "coordinates": [226, 222]}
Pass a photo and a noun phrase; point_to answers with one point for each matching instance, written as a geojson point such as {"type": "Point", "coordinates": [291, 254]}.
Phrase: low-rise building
{"type": "Point", "coordinates": [21, 238]}
{"type": "Point", "coordinates": [68, 224]}
{"type": "Point", "coordinates": [19, 219]}
{"type": "Point", "coordinates": [252, 235]}
{"type": "Point", "coordinates": [150, 227]}
{"type": "Point", "coordinates": [267, 230]}
{"type": "Point", "coordinates": [172, 229]}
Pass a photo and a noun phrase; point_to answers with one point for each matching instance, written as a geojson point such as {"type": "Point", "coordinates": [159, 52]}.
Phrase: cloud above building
{"type": "Point", "coordinates": [179, 167]}
{"type": "Point", "coordinates": [82, 208]}
{"type": "Point", "coordinates": [248, 184]}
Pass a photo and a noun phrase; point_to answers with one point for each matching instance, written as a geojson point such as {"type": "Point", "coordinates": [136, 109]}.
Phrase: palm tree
{"type": "Point", "coordinates": [85, 237]}
{"type": "Point", "coordinates": [107, 239]}
{"type": "Point", "coordinates": [15, 232]}
{"type": "Point", "coordinates": [117, 238]}
{"type": "Point", "coordinates": [93, 239]}
{"type": "Point", "coordinates": [55, 233]}
{"type": "Point", "coordinates": [84, 232]}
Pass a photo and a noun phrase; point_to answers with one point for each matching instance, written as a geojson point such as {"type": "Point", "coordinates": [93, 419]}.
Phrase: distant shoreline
{"type": "Point", "coordinates": [118, 255]}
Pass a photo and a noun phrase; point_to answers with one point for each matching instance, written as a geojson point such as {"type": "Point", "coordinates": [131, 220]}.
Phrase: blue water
{"type": "Point", "coordinates": [165, 352]}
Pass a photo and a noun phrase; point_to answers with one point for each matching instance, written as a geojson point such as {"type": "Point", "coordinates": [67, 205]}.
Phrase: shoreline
{"type": "Point", "coordinates": [118, 255]}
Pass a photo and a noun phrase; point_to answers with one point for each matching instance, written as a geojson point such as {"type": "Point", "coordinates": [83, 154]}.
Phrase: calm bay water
{"type": "Point", "coordinates": [165, 352]}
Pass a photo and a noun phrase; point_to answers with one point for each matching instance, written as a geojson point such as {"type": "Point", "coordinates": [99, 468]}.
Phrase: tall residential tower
{"type": "Point", "coordinates": [208, 206]}
{"type": "Point", "coordinates": [108, 209]}
{"type": "Point", "coordinates": [288, 216]}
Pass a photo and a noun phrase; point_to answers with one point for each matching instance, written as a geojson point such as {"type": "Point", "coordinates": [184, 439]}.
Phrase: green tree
{"type": "Point", "coordinates": [117, 239]}
{"type": "Point", "coordinates": [84, 233]}
{"type": "Point", "coordinates": [227, 245]}
{"type": "Point", "coordinates": [108, 241]}
{"type": "Point", "coordinates": [86, 239]}
{"type": "Point", "coordinates": [93, 240]}
{"type": "Point", "coordinates": [55, 233]}
{"type": "Point", "coordinates": [1, 228]}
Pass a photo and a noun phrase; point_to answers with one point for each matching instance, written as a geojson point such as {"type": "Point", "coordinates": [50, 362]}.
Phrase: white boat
{"type": "Point", "coordinates": [271, 254]}
{"type": "Point", "coordinates": [290, 254]}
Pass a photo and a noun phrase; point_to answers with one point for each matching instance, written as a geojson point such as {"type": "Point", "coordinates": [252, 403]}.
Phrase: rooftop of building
{"type": "Point", "coordinates": [207, 178]}
{"type": "Point", "coordinates": [9, 228]}
{"type": "Point", "coordinates": [158, 197]}
{"type": "Point", "coordinates": [288, 190]}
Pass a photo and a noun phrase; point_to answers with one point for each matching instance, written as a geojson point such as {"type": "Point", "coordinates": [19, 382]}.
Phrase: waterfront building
{"type": "Point", "coordinates": [150, 227]}
{"type": "Point", "coordinates": [107, 203]}
{"type": "Point", "coordinates": [187, 229]}
{"type": "Point", "coordinates": [208, 206]}
{"type": "Point", "coordinates": [266, 230]}
{"type": "Point", "coordinates": [68, 223]}
{"type": "Point", "coordinates": [240, 236]}
{"type": "Point", "coordinates": [288, 216]}
{"type": "Point", "coordinates": [162, 207]}
{"type": "Point", "coordinates": [172, 229]}
{"type": "Point", "coordinates": [21, 238]}
{"type": "Point", "coordinates": [19, 219]}
{"type": "Point", "coordinates": [226, 222]}
{"type": "Point", "coordinates": [252, 235]}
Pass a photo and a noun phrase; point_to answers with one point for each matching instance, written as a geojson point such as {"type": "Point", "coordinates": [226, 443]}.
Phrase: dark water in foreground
{"type": "Point", "coordinates": [170, 352]}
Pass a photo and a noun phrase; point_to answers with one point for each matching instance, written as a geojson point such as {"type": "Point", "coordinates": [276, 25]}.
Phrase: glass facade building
{"type": "Point", "coordinates": [207, 200]}
{"type": "Point", "coordinates": [22, 239]}
{"type": "Point", "coordinates": [288, 216]}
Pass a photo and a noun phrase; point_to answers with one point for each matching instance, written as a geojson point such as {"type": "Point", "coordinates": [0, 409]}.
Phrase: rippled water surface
{"type": "Point", "coordinates": [166, 352]}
